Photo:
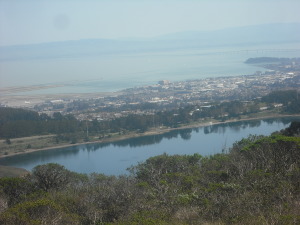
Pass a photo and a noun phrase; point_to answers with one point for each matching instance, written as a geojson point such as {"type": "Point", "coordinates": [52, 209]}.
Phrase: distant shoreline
{"type": "Point", "coordinates": [149, 133]}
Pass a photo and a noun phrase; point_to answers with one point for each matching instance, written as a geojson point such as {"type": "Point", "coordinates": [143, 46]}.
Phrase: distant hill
{"type": "Point", "coordinates": [241, 36]}
{"type": "Point", "coordinates": [270, 60]}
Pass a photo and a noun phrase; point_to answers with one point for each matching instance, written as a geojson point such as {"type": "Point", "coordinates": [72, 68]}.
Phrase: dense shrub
{"type": "Point", "coordinates": [257, 182]}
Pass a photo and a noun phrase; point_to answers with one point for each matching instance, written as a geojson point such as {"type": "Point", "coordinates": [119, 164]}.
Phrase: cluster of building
{"type": "Point", "coordinates": [168, 95]}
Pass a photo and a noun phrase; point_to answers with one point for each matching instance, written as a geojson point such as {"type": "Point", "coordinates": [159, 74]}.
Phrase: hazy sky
{"type": "Point", "coordinates": [36, 21]}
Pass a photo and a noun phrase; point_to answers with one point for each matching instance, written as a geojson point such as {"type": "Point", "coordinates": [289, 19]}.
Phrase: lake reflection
{"type": "Point", "coordinates": [114, 158]}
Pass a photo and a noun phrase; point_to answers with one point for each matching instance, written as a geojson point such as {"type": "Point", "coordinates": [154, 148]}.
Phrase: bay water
{"type": "Point", "coordinates": [106, 73]}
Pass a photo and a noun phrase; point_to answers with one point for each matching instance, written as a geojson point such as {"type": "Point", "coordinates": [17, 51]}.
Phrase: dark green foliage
{"type": "Point", "coordinates": [283, 97]}
{"type": "Point", "coordinates": [21, 123]}
{"type": "Point", "coordinates": [155, 168]}
{"type": "Point", "coordinates": [51, 176]}
{"type": "Point", "coordinates": [147, 218]}
{"type": "Point", "coordinates": [15, 189]}
{"type": "Point", "coordinates": [257, 182]}
{"type": "Point", "coordinates": [12, 114]}
{"type": "Point", "coordinates": [7, 141]}
{"type": "Point", "coordinates": [41, 211]}
{"type": "Point", "coordinates": [293, 106]}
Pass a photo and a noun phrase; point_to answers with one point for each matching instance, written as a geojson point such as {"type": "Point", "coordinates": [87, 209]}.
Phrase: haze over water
{"type": "Point", "coordinates": [95, 46]}
{"type": "Point", "coordinates": [114, 72]}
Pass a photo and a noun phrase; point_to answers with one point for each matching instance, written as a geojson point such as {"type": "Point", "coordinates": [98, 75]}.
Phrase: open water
{"type": "Point", "coordinates": [114, 158]}
{"type": "Point", "coordinates": [105, 73]}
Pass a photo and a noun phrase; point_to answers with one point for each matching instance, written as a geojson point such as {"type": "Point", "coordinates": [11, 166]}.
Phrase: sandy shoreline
{"type": "Point", "coordinates": [149, 133]}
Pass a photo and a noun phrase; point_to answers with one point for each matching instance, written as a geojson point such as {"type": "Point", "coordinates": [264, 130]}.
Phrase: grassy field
{"type": "Point", "coordinates": [30, 144]}
{"type": "Point", "coordinates": [19, 145]}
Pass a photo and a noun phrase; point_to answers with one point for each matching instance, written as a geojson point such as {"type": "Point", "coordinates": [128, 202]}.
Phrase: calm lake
{"type": "Point", "coordinates": [114, 158]}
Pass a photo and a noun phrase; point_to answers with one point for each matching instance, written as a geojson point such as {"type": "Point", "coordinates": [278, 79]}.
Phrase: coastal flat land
{"type": "Point", "coordinates": [29, 101]}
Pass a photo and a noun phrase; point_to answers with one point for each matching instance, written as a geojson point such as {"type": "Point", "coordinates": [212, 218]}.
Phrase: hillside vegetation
{"type": "Point", "coordinates": [257, 182]}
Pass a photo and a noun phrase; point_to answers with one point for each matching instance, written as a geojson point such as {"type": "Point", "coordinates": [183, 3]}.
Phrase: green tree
{"type": "Point", "coordinates": [7, 141]}
{"type": "Point", "coordinates": [41, 211]}
{"type": "Point", "coordinates": [15, 189]}
{"type": "Point", "coordinates": [51, 176]}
